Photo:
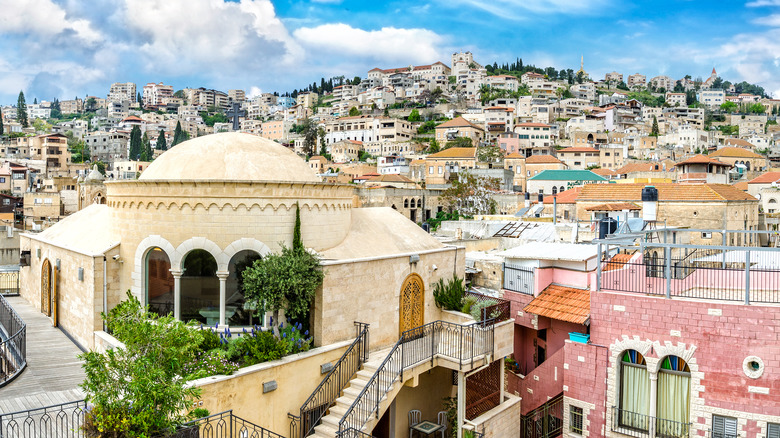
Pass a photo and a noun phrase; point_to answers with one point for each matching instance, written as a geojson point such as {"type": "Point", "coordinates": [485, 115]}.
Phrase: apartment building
{"type": "Point", "coordinates": [664, 82]}
{"type": "Point", "coordinates": [459, 127]}
{"type": "Point", "coordinates": [122, 91]}
{"type": "Point", "coordinates": [236, 95]}
{"type": "Point", "coordinates": [711, 98]}
{"type": "Point", "coordinates": [75, 106]}
{"type": "Point", "coordinates": [636, 80]}
{"type": "Point", "coordinates": [579, 157]}
{"type": "Point", "coordinates": [277, 130]}
{"type": "Point", "coordinates": [107, 147]}
{"type": "Point", "coordinates": [444, 165]}
{"type": "Point", "coordinates": [503, 82]}
{"type": "Point", "coordinates": [535, 139]}
{"type": "Point", "coordinates": [614, 77]}
{"type": "Point", "coordinates": [153, 94]}
{"type": "Point", "coordinates": [498, 120]}
{"type": "Point", "coordinates": [206, 98]}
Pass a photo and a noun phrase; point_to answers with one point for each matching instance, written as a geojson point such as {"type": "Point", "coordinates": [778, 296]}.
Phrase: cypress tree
{"type": "Point", "coordinates": [177, 135]}
{"type": "Point", "coordinates": [297, 245]}
{"type": "Point", "coordinates": [2, 128]}
{"type": "Point", "coordinates": [135, 143]}
{"type": "Point", "coordinates": [21, 110]}
{"type": "Point", "coordinates": [654, 130]}
{"type": "Point", "coordinates": [161, 146]}
{"type": "Point", "coordinates": [146, 148]}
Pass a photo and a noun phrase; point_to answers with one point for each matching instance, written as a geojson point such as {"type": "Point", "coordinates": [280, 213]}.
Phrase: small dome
{"type": "Point", "coordinates": [229, 156]}
{"type": "Point", "coordinates": [95, 175]}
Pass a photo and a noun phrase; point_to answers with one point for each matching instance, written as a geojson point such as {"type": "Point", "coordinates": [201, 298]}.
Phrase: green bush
{"type": "Point", "coordinates": [468, 303]}
{"type": "Point", "coordinates": [449, 296]}
{"type": "Point", "coordinates": [476, 309]}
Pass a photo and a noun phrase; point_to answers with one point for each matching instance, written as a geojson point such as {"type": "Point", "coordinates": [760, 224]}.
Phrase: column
{"type": "Point", "coordinates": [176, 293]}
{"type": "Point", "coordinates": [461, 403]}
{"type": "Point", "coordinates": [653, 403]}
{"type": "Point", "coordinates": [223, 276]}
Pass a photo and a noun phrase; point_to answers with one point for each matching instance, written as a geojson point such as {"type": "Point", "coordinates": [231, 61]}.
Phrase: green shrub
{"type": "Point", "coordinates": [449, 296]}
{"type": "Point", "coordinates": [211, 340]}
{"type": "Point", "coordinates": [257, 347]}
{"type": "Point", "coordinates": [468, 303]}
{"type": "Point", "coordinates": [209, 363]}
{"type": "Point", "coordinates": [476, 309]}
{"type": "Point", "coordinates": [294, 339]}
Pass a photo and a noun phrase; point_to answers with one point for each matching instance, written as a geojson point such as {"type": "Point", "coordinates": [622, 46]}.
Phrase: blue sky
{"type": "Point", "coordinates": [68, 48]}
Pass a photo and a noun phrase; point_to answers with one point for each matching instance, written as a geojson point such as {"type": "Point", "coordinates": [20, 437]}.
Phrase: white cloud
{"type": "Point", "coordinates": [254, 92]}
{"type": "Point", "coordinates": [213, 35]}
{"type": "Point", "coordinates": [759, 3]}
{"type": "Point", "coordinates": [388, 44]}
{"type": "Point", "coordinates": [43, 18]}
{"type": "Point", "coordinates": [513, 9]}
{"type": "Point", "coordinates": [770, 20]}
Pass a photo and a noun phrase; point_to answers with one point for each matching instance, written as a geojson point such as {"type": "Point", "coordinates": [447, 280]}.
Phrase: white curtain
{"type": "Point", "coordinates": [634, 397]}
{"type": "Point", "coordinates": [673, 404]}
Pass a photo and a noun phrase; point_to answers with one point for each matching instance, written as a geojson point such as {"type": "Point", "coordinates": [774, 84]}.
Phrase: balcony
{"type": "Point", "coordinates": [640, 425]}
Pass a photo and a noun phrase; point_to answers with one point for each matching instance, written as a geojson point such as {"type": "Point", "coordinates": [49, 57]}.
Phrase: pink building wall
{"type": "Point", "coordinates": [584, 379]}
{"type": "Point", "coordinates": [543, 383]}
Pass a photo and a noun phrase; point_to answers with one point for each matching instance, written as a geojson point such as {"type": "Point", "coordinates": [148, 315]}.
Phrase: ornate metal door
{"type": "Point", "coordinates": [46, 288]}
{"type": "Point", "coordinates": [412, 303]}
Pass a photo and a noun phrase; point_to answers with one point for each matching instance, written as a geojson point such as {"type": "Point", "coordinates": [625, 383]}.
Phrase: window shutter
{"type": "Point", "coordinates": [773, 430]}
{"type": "Point", "coordinates": [718, 427]}
{"type": "Point", "coordinates": [731, 427]}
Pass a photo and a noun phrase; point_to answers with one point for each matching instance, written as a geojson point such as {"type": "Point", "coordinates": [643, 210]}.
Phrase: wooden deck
{"type": "Point", "coordinates": [53, 370]}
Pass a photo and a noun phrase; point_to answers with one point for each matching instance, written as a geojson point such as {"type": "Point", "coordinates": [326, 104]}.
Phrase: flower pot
{"type": "Point", "coordinates": [582, 338]}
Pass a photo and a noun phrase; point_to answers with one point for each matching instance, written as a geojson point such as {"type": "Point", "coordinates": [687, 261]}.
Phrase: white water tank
{"type": "Point", "coordinates": [649, 203]}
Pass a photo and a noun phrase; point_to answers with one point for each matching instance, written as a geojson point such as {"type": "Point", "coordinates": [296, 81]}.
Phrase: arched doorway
{"type": "Point", "coordinates": [412, 307]}
{"type": "Point", "coordinates": [236, 313]}
{"type": "Point", "coordinates": [159, 282]}
{"type": "Point", "coordinates": [200, 288]}
{"type": "Point", "coordinates": [46, 288]}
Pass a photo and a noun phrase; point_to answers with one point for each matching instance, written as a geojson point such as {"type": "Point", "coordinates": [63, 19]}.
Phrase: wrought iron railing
{"type": "Point", "coordinates": [9, 283]}
{"type": "Point", "coordinates": [224, 425]}
{"type": "Point", "coordinates": [326, 393]}
{"type": "Point", "coordinates": [641, 425]}
{"type": "Point", "coordinates": [519, 279]}
{"type": "Point", "coordinates": [714, 434]}
{"type": "Point", "coordinates": [13, 343]}
{"type": "Point", "coordinates": [546, 421]}
{"type": "Point", "coordinates": [354, 433]}
{"type": "Point", "coordinates": [500, 311]}
{"type": "Point", "coordinates": [738, 274]}
{"type": "Point", "coordinates": [56, 421]}
{"type": "Point", "coordinates": [459, 343]}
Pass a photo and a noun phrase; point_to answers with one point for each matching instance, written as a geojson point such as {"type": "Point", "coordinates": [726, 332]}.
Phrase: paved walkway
{"type": "Point", "coordinates": [53, 370]}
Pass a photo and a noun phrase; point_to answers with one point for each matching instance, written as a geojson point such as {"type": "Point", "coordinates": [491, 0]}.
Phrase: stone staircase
{"type": "Point", "coordinates": [330, 423]}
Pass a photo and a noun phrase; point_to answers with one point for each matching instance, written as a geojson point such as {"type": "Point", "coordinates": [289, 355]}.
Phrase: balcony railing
{"type": "Point", "coordinates": [315, 407]}
{"type": "Point", "coordinates": [740, 274]}
{"type": "Point", "coordinates": [224, 425]}
{"type": "Point", "coordinates": [497, 312]}
{"type": "Point", "coordinates": [13, 343]}
{"type": "Point", "coordinates": [56, 421]}
{"type": "Point", "coordinates": [640, 425]}
{"type": "Point", "coordinates": [462, 344]}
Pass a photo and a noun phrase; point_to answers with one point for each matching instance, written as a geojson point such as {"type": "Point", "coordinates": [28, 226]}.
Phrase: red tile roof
{"type": "Point", "coordinates": [617, 261]}
{"type": "Point", "coordinates": [702, 159]}
{"type": "Point", "coordinates": [666, 192]}
{"type": "Point", "coordinates": [565, 197]}
{"type": "Point", "coordinates": [562, 303]}
{"type": "Point", "coordinates": [578, 149]}
{"type": "Point", "coordinates": [604, 172]}
{"type": "Point", "coordinates": [766, 178]}
{"type": "Point", "coordinates": [533, 125]}
{"type": "Point", "coordinates": [542, 159]}
{"type": "Point", "coordinates": [459, 122]}
{"type": "Point", "coordinates": [455, 153]}
{"type": "Point", "coordinates": [735, 152]}
{"type": "Point", "coordinates": [618, 206]}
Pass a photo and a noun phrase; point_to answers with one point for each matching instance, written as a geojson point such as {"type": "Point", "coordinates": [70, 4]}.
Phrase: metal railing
{"type": "Point", "coordinates": [641, 425]}
{"type": "Point", "coordinates": [223, 425]}
{"type": "Point", "coordinates": [519, 279]}
{"type": "Point", "coordinates": [57, 421]}
{"type": "Point", "coordinates": [459, 343]}
{"type": "Point", "coordinates": [546, 421]}
{"type": "Point", "coordinates": [741, 274]}
{"type": "Point", "coordinates": [354, 433]}
{"type": "Point", "coordinates": [497, 312]}
{"type": "Point", "coordinates": [13, 343]}
{"type": "Point", "coordinates": [326, 393]}
{"type": "Point", "coordinates": [713, 434]}
{"type": "Point", "coordinates": [9, 283]}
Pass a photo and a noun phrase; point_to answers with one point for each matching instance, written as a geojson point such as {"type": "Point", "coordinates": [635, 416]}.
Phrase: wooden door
{"type": "Point", "coordinates": [412, 303]}
{"type": "Point", "coordinates": [46, 288]}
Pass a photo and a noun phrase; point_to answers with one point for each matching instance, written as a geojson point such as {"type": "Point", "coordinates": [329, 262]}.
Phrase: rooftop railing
{"type": "Point", "coordinates": [748, 274]}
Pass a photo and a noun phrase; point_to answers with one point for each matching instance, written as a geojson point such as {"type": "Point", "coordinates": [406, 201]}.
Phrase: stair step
{"type": "Point", "coordinates": [338, 410]}
{"type": "Point", "coordinates": [330, 421]}
{"type": "Point", "coordinates": [325, 431]}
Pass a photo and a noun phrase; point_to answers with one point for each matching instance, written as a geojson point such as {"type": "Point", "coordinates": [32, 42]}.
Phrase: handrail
{"type": "Point", "coordinates": [329, 389]}
{"type": "Point", "coordinates": [13, 345]}
{"type": "Point", "coordinates": [417, 345]}
{"type": "Point", "coordinates": [226, 425]}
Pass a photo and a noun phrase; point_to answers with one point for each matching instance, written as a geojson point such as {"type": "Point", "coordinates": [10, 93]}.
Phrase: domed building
{"type": "Point", "coordinates": [178, 237]}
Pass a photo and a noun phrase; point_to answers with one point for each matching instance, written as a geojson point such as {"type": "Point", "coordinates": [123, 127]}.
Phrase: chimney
{"type": "Point", "coordinates": [649, 203]}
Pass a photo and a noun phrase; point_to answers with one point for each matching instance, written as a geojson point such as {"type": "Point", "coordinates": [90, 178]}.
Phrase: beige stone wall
{"type": "Point", "coordinates": [79, 302]}
{"type": "Point", "coordinates": [425, 393]}
{"type": "Point", "coordinates": [370, 291]}
{"type": "Point", "coordinates": [492, 275]}
{"type": "Point", "coordinates": [503, 421]}
{"type": "Point", "coordinates": [296, 377]}
{"type": "Point", "coordinates": [218, 216]}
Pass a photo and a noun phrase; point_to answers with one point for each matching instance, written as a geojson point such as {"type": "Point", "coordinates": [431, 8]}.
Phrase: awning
{"type": "Point", "coordinates": [562, 303]}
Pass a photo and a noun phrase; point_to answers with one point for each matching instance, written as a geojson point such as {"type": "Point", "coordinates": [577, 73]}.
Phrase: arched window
{"type": "Point", "coordinates": [236, 312]}
{"type": "Point", "coordinates": [200, 288]}
{"type": "Point", "coordinates": [159, 282]}
{"type": "Point", "coordinates": [674, 397]}
{"type": "Point", "coordinates": [634, 391]}
{"type": "Point", "coordinates": [419, 203]}
{"type": "Point", "coordinates": [561, 189]}
{"type": "Point", "coordinates": [555, 190]}
{"type": "Point", "coordinates": [406, 203]}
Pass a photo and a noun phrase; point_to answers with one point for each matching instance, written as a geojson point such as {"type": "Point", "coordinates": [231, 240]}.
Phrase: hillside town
{"type": "Point", "coordinates": [485, 250]}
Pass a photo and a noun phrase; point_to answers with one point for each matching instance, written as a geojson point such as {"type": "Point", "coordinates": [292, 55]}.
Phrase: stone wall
{"type": "Point", "coordinates": [503, 421]}
{"type": "Point", "coordinates": [541, 384]}
{"type": "Point", "coordinates": [583, 386]}
{"type": "Point", "coordinates": [370, 291]}
{"type": "Point", "coordinates": [296, 377]}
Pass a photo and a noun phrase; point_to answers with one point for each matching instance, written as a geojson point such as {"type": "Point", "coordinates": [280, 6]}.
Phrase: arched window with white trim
{"type": "Point", "coordinates": [674, 398]}
{"type": "Point", "coordinates": [634, 397]}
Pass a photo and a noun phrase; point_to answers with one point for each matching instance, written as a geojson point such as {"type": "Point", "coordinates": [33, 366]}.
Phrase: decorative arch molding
{"type": "Point", "coordinates": [153, 241]}
{"type": "Point", "coordinates": [234, 205]}
{"type": "Point", "coordinates": [199, 243]}
{"type": "Point", "coordinates": [247, 243]}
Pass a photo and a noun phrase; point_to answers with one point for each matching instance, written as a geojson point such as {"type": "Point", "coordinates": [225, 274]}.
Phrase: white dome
{"type": "Point", "coordinates": [229, 156]}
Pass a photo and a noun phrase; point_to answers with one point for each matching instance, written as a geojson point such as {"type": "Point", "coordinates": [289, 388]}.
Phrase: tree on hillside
{"type": "Point", "coordinates": [138, 98]}
{"type": "Point", "coordinates": [414, 116]}
{"type": "Point", "coordinates": [654, 129]}
{"type": "Point", "coordinates": [146, 148]}
{"type": "Point", "coordinates": [161, 146]}
{"type": "Point", "coordinates": [2, 128]}
{"type": "Point", "coordinates": [356, 80]}
{"type": "Point", "coordinates": [728, 106]}
{"type": "Point", "coordinates": [471, 194]}
{"type": "Point", "coordinates": [433, 146]}
{"type": "Point", "coordinates": [21, 110]}
{"type": "Point", "coordinates": [354, 112]}
{"type": "Point", "coordinates": [135, 143]}
{"type": "Point", "coordinates": [459, 142]}
{"type": "Point", "coordinates": [177, 138]}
